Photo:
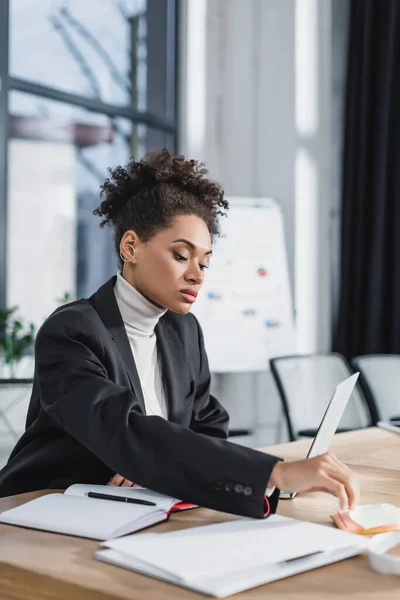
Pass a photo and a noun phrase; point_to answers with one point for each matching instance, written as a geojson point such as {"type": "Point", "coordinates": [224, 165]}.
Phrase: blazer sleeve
{"type": "Point", "coordinates": [208, 416]}
{"type": "Point", "coordinates": [108, 420]}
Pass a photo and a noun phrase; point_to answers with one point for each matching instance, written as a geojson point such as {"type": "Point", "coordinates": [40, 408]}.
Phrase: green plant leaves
{"type": "Point", "coordinates": [16, 337]}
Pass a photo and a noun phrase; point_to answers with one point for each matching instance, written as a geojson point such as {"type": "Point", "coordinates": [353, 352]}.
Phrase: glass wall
{"type": "Point", "coordinates": [89, 85]}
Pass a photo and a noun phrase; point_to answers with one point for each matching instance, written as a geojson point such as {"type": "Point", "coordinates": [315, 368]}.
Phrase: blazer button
{"type": "Point", "coordinates": [228, 487]}
{"type": "Point", "coordinates": [247, 490]}
{"type": "Point", "coordinates": [238, 488]}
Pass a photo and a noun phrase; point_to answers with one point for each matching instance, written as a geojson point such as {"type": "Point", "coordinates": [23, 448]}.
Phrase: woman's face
{"type": "Point", "coordinates": [169, 269]}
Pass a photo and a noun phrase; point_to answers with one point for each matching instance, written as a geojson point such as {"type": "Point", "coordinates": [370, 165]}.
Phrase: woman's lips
{"type": "Point", "coordinates": [189, 296]}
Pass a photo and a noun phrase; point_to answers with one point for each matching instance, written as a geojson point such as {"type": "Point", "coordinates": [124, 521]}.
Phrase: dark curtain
{"type": "Point", "coordinates": [369, 312]}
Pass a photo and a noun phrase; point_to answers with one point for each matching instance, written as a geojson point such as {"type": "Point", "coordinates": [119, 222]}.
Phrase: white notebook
{"type": "Point", "coordinates": [227, 558]}
{"type": "Point", "coordinates": [74, 513]}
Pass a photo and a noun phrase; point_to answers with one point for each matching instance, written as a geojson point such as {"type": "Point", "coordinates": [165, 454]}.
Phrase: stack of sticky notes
{"type": "Point", "coordinates": [369, 519]}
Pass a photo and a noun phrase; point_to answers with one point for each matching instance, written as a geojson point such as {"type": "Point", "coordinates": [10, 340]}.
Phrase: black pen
{"type": "Point", "coordinates": [290, 560]}
{"type": "Point", "coordinates": [120, 499]}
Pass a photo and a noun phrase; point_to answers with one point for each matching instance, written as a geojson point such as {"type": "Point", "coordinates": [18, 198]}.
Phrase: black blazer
{"type": "Point", "coordinates": [86, 419]}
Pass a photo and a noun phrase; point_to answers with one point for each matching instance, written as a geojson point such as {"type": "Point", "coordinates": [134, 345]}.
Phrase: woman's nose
{"type": "Point", "coordinates": [195, 274]}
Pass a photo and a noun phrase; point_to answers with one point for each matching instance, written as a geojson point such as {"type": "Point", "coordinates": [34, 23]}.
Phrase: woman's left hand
{"type": "Point", "coordinates": [122, 482]}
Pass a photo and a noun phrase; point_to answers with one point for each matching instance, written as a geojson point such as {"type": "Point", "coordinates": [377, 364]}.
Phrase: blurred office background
{"type": "Point", "coordinates": [291, 99]}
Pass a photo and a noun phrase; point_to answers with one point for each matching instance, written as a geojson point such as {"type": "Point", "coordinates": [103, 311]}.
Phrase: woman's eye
{"type": "Point", "coordinates": [179, 257]}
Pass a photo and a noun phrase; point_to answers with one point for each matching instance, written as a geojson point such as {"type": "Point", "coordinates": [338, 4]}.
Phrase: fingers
{"type": "Point", "coordinates": [353, 479]}
{"type": "Point", "coordinates": [119, 480]}
{"type": "Point", "coordinates": [330, 488]}
{"type": "Point", "coordinates": [346, 477]}
{"type": "Point", "coordinates": [127, 483]}
{"type": "Point", "coordinates": [116, 480]}
{"type": "Point", "coordinates": [334, 487]}
{"type": "Point", "coordinates": [340, 481]}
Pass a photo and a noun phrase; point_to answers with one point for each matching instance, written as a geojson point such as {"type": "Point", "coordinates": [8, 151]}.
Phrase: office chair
{"type": "Point", "coordinates": [380, 380]}
{"type": "Point", "coordinates": [306, 383]}
{"type": "Point", "coordinates": [14, 392]}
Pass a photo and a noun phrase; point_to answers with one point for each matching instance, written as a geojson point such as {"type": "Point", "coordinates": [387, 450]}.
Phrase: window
{"type": "Point", "coordinates": [116, 51]}
{"type": "Point", "coordinates": [89, 85]}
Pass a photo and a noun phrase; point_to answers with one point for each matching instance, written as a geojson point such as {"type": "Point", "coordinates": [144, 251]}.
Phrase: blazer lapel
{"type": "Point", "coordinates": [174, 367]}
{"type": "Point", "coordinates": [107, 308]}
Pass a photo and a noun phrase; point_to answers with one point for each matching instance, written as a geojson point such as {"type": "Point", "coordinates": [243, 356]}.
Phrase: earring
{"type": "Point", "coordinates": [125, 260]}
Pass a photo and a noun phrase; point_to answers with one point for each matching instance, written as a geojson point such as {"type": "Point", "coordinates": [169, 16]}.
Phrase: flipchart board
{"type": "Point", "coordinates": [245, 306]}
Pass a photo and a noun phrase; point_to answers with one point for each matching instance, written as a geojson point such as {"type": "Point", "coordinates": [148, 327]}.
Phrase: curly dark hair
{"type": "Point", "coordinates": [147, 195]}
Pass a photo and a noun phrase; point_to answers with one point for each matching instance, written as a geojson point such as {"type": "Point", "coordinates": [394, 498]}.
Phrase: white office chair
{"type": "Point", "coordinates": [306, 384]}
{"type": "Point", "coordinates": [14, 399]}
{"type": "Point", "coordinates": [380, 379]}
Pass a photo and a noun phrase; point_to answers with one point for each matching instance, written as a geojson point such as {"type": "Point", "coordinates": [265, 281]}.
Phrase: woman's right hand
{"type": "Point", "coordinates": [323, 473]}
{"type": "Point", "coordinates": [119, 480]}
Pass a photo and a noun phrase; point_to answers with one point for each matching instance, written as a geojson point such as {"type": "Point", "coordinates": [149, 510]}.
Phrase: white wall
{"type": "Point", "coordinates": [249, 138]}
{"type": "Point", "coordinates": [262, 75]}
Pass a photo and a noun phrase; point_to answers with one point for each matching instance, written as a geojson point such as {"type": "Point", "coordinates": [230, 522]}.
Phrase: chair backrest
{"type": "Point", "coordinates": [14, 400]}
{"type": "Point", "coordinates": [306, 384]}
{"type": "Point", "coordinates": [380, 378]}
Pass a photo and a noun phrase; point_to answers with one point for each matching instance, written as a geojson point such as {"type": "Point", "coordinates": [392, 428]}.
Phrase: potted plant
{"type": "Point", "coordinates": [16, 341]}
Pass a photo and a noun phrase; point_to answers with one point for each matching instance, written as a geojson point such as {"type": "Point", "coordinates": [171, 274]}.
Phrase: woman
{"type": "Point", "coordinates": [122, 386]}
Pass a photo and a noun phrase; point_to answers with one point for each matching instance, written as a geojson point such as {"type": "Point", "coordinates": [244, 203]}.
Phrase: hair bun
{"type": "Point", "coordinates": [123, 183]}
{"type": "Point", "coordinates": [148, 194]}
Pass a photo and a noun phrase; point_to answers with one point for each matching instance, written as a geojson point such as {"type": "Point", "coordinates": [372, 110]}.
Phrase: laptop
{"type": "Point", "coordinates": [393, 426]}
{"type": "Point", "coordinates": [329, 423]}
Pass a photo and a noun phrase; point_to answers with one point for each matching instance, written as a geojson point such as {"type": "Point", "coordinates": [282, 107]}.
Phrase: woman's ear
{"type": "Point", "coordinates": [128, 246]}
{"type": "Point", "coordinates": [130, 237]}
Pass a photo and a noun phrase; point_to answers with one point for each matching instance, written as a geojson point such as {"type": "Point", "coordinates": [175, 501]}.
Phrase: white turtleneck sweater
{"type": "Point", "coordinates": [140, 318]}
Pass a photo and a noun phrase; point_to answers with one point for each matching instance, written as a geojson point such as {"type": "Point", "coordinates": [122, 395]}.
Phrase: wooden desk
{"type": "Point", "coordinates": [39, 565]}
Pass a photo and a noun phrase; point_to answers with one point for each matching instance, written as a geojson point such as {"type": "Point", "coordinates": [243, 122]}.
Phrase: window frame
{"type": "Point", "coordinates": [9, 83]}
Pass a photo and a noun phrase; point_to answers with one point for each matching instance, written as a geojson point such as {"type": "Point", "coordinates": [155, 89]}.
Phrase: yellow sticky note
{"type": "Point", "coordinates": [369, 519]}
{"type": "Point", "coordinates": [369, 516]}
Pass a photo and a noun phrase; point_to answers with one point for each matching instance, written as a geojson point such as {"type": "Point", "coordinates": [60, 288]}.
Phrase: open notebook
{"type": "Point", "coordinates": [226, 558]}
{"type": "Point", "coordinates": [73, 513]}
